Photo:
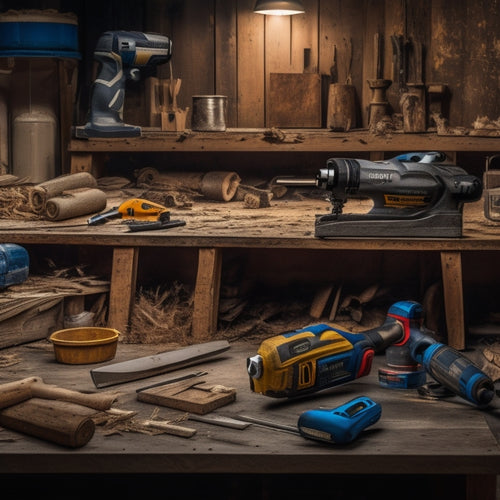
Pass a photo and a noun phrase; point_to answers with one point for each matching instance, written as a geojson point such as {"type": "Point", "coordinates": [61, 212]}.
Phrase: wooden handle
{"type": "Point", "coordinates": [12, 393]}
{"type": "Point", "coordinates": [60, 422]}
{"type": "Point", "coordinates": [97, 401]}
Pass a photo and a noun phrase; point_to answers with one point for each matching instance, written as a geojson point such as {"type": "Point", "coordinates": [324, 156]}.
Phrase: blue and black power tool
{"type": "Point", "coordinates": [121, 55]}
{"type": "Point", "coordinates": [320, 356]}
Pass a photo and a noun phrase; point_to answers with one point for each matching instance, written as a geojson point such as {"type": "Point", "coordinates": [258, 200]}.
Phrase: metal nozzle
{"type": "Point", "coordinates": [254, 366]}
{"type": "Point", "coordinates": [295, 181]}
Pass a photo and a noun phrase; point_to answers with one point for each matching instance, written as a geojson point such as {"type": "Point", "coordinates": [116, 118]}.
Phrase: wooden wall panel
{"type": "Point", "coordinates": [250, 66]}
{"type": "Point", "coordinates": [446, 55]}
{"type": "Point", "coordinates": [481, 88]}
{"type": "Point", "coordinates": [340, 26]}
{"type": "Point", "coordinates": [193, 44]}
{"type": "Point", "coordinates": [226, 67]}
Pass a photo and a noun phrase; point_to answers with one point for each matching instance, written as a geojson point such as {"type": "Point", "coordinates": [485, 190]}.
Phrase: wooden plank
{"type": "Point", "coordinates": [226, 68]}
{"type": "Point", "coordinates": [68, 74]}
{"type": "Point", "coordinates": [122, 290]}
{"type": "Point", "coordinates": [294, 100]}
{"type": "Point", "coordinates": [480, 58]}
{"type": "Point", "coordinates": [192, 25]}
{"type": "Point", "coordinates": [81, 162]}
{"type": "Point", "coordinates": [34, 324]}
{"type": "Point", "coordinates": [191, 396]}
{"type": "Point", "coordinates": [319, 302]}
{"type": "Point", "coordinates": [250, 66]}
{"type": "Point", "coordinates": [447, 54]}
{"type": "Point", "coordinates": [451, 268]}
{"type": "Point", "coordinates": [206, 294]}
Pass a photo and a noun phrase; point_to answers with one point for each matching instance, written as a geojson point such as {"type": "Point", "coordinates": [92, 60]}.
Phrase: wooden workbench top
{"type": "Point", "coordinates": [285, 224]}
{"type": "Point", "coordinates": [414, 435]}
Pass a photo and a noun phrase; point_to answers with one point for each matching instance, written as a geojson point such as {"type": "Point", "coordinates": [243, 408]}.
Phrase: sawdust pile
{"type": "Point", "coordinates": [162, 314]}
{"type": "Point", "coordinates": [16, 203]}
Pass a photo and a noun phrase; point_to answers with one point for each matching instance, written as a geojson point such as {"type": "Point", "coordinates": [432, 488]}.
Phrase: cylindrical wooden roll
{"type": "Point", "coordinates": [60, 422]}
{"type": "Point", "coordinates": [75, 204]}
{"type": "Point", "coordinates": [54, 187]}
{"type": "Point", "coordinates": [186, 180]}
{"type": "Point", "coordinates": [220, 186]}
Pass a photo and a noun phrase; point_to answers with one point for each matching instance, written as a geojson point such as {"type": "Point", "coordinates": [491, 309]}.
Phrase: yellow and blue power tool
{"type": "Point", "coordinates": [321, 356]}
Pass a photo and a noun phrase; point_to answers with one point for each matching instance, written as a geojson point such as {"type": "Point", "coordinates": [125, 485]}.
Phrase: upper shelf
{"type": "Point", "coordinates": [291, 140]}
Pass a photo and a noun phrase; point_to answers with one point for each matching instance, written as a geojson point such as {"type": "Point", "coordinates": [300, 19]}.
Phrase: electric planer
{"type": "Point", "coordinates": [413, 195]}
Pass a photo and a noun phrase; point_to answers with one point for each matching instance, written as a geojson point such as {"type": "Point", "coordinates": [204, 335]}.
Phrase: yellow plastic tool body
{"type": "Point", "coordinates": [296, 371]}
{"type": "Point", "coordinates": [137, 208]}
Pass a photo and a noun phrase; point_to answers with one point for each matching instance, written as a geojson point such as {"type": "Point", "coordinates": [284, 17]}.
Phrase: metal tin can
{"type": "Point", "coordinates": [209, 113]}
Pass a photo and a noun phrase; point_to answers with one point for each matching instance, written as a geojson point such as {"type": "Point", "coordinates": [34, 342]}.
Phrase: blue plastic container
{"type": "Point", "coordinates": [14, 264]}
{"type": "Point", "coordinates": [38, 34]}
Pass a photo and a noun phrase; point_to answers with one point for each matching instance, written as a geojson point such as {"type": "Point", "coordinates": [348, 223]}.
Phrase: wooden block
{"type": "Point", "coordinates": [319, 302]}
{"type": "Point", "coordinates": [294, 100]}
{"type": "Point", "coordinates": [187, 395]}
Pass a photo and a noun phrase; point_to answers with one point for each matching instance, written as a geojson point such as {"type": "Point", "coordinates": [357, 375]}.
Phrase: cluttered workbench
{"type": "Point", "coordinates": [428, 446]}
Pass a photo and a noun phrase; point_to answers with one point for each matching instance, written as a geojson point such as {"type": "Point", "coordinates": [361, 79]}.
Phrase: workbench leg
{"type": "Point", "coordinates": [122, 289]}
{"type": "Point", "coordinates": [451, 270]}
{"type": "Point", "coordinates": [81, 162]}
{"type": "Point", "coordinates": [206, 294]}
{"type": "Point", "coordinates": [481, 486]}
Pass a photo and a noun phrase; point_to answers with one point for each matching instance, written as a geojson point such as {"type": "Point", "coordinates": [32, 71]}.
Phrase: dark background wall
{"type": "Point", "coordinates": [222, 47]}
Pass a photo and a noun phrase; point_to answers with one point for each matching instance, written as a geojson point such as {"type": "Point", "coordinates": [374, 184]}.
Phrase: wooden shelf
{"type": "Point", "coordinates": [308, 140]}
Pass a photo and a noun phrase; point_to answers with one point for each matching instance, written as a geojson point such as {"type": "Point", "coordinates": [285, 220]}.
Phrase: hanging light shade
{"type": "Point", "coordinates": [277, 8]}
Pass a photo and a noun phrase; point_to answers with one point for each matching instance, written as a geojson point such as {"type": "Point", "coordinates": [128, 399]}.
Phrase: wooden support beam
{"type": "Point", "coordinates": [451, 270]}
{"type": "Point", "coordinates": [81, 162]}
{"type": "Point", "coordinates": [206, 295]}
{"type": "Point", "coordinates": [122, 289]}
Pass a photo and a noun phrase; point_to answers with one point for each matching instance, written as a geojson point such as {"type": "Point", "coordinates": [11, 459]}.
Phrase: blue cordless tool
{"type": "Point", "coordinates": [342, 424]}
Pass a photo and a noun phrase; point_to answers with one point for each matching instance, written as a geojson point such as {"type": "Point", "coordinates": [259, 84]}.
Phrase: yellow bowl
{"type": "Point", "coordinates": [85, 345]}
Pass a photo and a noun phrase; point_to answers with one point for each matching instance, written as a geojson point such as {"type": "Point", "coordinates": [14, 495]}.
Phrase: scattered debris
{"type": "Point", "coordinates": [163, 314]}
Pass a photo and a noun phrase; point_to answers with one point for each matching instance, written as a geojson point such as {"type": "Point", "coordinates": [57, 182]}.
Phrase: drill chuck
{"type": "Point", "coordinates": [342, 174]}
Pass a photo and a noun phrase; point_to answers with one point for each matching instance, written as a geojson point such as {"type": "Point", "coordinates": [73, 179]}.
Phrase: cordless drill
{"type": "Point", "coordinates": [320, 356]}
{"type": "Point", "coordinates": [121, 56]}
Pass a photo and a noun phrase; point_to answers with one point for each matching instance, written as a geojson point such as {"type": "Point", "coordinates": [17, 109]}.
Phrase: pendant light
{"type": "Point", "coordinates": [279, 8]}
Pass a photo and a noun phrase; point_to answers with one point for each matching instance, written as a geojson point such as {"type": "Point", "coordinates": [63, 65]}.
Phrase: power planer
{"type": "Point", "coordinates": [413, 195]}
{"type": "Point", "coordinates": [121, 55]}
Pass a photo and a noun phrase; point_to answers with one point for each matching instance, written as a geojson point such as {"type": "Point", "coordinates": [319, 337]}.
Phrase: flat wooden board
{"type": "Point", "coordinates": [188, 395]}
{"type": "Point", "coordinates": [294, 100]}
